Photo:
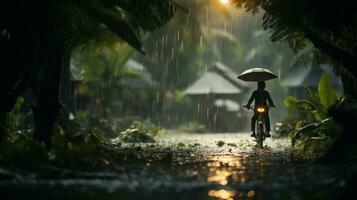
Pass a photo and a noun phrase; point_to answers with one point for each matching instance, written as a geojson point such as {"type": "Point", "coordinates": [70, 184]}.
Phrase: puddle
{"type": "Point", "coordinates": [205, 172]}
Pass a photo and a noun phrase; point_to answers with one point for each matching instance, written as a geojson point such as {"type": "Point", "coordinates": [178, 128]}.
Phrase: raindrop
{"type": "Point", "coordinates": [172, 53]}
{"type": "Point", "coordinates": [201, 40]}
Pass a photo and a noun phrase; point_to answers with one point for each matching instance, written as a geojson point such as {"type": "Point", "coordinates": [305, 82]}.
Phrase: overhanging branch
{"type": "Point", "coordinates": [348, 61]}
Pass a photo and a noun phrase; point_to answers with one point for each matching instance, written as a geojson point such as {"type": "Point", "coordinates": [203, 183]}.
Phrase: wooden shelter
{"type": "Point", "coordinates": [309, 77]}
{"type": "Point", "coordinates": [216, 95]}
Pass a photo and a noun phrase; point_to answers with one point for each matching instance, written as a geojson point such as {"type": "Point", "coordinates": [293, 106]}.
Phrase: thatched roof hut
{"type": "Point", "coordinates": [212, 83]}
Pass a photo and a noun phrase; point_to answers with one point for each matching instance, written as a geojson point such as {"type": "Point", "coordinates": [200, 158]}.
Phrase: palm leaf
{"type": "Point", "coordinates": [326, 91]}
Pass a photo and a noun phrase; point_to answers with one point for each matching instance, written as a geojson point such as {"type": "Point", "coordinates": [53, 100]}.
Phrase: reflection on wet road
{"type": "Point", "coordinates": [183, 169]}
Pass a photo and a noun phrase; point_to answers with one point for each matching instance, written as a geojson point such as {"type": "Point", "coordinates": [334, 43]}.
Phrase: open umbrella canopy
{"type": "Point", "coordinates": [257, 74]}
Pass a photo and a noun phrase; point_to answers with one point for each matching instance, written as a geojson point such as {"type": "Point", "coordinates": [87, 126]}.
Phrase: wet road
{"type": "Point", "coordinates": [194, 166]}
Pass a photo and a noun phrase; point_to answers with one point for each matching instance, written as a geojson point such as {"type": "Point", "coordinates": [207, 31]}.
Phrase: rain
{"type": "Point", "coordinates": [177, 99]}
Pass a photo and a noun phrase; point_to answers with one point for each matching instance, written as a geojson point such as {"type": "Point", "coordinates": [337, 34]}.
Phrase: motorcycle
{"type": "Point", "coordinates": [260, 124]}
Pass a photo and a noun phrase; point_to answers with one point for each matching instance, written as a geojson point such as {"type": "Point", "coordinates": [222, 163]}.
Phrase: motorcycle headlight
{"type": "Point", "coordinates": [261, 109]}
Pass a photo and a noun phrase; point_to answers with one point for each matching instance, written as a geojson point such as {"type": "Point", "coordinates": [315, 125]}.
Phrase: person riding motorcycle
{"type": "Point", "coordinates": [261, 97]}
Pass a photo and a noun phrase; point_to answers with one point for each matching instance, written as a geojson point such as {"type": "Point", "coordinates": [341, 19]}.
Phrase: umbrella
{"type": "Point", "coordinates": [257, 74]}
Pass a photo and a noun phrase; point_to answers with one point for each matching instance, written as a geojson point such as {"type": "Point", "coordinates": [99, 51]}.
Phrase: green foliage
{"type": "Point", "coordinates": [312, 96]}
{"type": "Point", "coordinates": [105, 70]}
{"type": "Point", "coordinates": [290, 103]}
{"type": "Point", "coordinates": [21, 149]}
{"type": "Point", "coordinates": [324, 99]}
{"type": "Point", "coordinates": [316, 106]}
{"type": "Point", "coordinates": [195, 145]}
{"type": "Point", "coordinates": [285, 127]}
{"type": "Point", "coordinates": [320, 112]}
{"type": "Point", "coordinates": [328, 26]}
{"type": "Point", "coordinates": [303, 132]}
{"type": "Point", "coordinates": [305, 110]}
{"type": "Point", "coordinates": [313, 140]}
{"type": "Point", "coordinates": [47, 32]}
{"type": "Point", "coordinates": [232, 144]}
{"type": "Point", "coordinates": [139, 132]}
{"type": "Point", "coordinates": [316, 110]}
{"type": "Point", "coordinates": [84, 151]}
{"type": "Point", "coordinates": [180, 145]}
{"type": "Point", "coordinates": [80, 152]}
{"type": "Point", "coordinates": [15, 117]}
{"type": "Point", "coordinates": [220, 143]}
{"type": "Point", "coordinates": [326, 91]}
{"type": "Point", "coordinates": [96, 62]}
{"type": "Point", "coordinates": [308, 125]}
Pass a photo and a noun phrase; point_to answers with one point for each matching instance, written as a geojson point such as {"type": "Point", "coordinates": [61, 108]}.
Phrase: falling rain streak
{"type": "Point", "coordinates": [169, 103]}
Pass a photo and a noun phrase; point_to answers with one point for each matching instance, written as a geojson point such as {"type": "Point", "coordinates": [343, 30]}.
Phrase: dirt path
{"type": "Point", "coordinates": [197, 168]}
{"type": "Point", "coordinates": [210, 140]}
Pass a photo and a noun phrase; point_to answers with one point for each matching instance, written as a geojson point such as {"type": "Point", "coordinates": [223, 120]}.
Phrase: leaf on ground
{"type": "Point", "coordinates": [220, 143]}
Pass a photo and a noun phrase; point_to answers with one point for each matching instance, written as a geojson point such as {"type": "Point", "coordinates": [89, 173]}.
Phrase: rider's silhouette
{"type": "Point", "coordinates": [261, 97]}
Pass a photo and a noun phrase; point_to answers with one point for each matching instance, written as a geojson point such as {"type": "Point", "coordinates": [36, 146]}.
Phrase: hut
{"type": "Point", "coordinates": [137, 90]}
{"type": "Point", "coordinates": [143, 78]}
{"type": "Point", "coordinates": [229, 75]}
{"type": "Point", "coordinates": [309, 77]}
{"type": "Point", "coordinates": [215, 95]}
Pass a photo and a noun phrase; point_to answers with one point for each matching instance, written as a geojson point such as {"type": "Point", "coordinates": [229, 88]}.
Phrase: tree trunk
{"type": "Point", "coordinates": [48, 90]}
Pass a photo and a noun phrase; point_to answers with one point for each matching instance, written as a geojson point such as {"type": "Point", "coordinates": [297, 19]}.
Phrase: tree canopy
{"type": "Point", "coordinates": [39, 36]}
{"type": "Point", "coordinates": [77, 21]}
{"type": "Point", "coordinates": [331, 26]}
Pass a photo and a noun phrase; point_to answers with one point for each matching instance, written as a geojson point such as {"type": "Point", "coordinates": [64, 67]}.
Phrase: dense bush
{"type": "Point", "coordinates": [311, 129]}
{"type": "Point", "coordinates": [139, 132]}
